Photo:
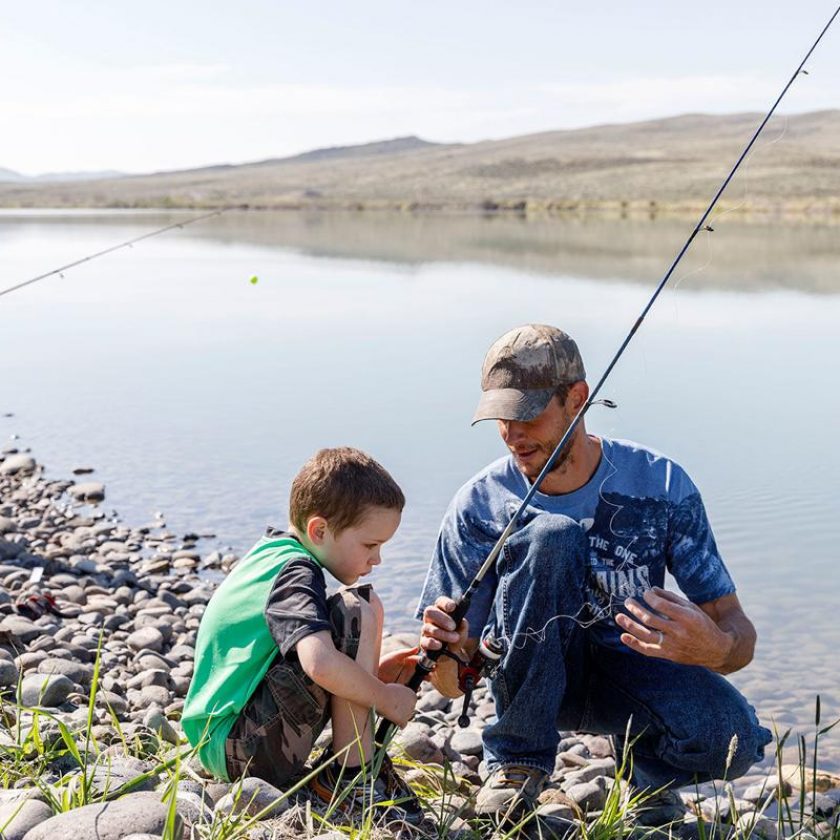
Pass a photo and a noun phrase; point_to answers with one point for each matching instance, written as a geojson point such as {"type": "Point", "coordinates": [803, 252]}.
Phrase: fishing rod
{"type": "Point", "coordinates": [110, 250]}
{"type": "Point", "coordinates": [428, 659]}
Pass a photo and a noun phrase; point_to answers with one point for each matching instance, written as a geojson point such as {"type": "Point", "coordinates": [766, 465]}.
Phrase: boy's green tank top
{"type": "Point", "coordinates": [234, 649]}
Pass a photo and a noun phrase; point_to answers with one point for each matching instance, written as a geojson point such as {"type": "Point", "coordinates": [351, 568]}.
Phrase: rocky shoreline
{"type": "Point", "coordinates": [88, 600]}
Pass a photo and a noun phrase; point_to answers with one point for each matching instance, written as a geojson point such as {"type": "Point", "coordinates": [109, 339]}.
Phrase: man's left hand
{"type": "Point", "coordinates": [670, 627]}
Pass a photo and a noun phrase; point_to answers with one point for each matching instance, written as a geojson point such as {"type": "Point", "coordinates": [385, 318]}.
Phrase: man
{"type": "Point", "coordinates": [592, 638]}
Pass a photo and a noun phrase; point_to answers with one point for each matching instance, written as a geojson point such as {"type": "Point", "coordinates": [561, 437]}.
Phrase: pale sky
{"type": "Point", "coordinates": [137, 87]}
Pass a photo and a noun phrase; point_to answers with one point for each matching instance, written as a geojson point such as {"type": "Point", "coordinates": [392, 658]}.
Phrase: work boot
{"type": "Point", "coordinates": [510, 792]}
{"type": "Point", "coordinates": [661, 809]}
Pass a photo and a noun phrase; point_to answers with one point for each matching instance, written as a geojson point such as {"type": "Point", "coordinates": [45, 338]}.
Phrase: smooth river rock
{"type": "Point", "coordinates": [17, 465]}
{"type": "Point", "coordinates": [135, 813]}
{"type": "Point", "coordinates": [45, 689]}
{"type": "Point", "coordinates": [149, 638]}
{"type": "Point", "coordinates": [87, 491]}
{"type": "Point", "coordinates": [256, 796]}
{"type": "Point", "coordinates": [18, 818]}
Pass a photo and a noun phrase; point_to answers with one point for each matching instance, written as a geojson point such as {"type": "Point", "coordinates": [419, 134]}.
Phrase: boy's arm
{"type": "Point", "coordinates": [342, 677]}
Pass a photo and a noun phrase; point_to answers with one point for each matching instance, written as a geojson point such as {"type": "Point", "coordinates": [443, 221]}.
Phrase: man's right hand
{"type": "Point", "coordinates": [396, 703]}
{"type": "Point", "coordinates": [439, 627]}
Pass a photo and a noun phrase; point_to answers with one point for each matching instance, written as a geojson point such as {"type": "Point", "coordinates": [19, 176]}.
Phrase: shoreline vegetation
{"type": "Point", "coordinates": [658, 168]}
{"type": "Point", "coordinates": [91, 692]}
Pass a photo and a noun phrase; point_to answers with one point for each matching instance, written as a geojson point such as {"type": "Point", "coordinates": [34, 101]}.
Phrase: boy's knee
{"type": "Point", "coordinates": [372, 611]}
{"type": "Point", "coordinates": [377, 608]}
{"type": "Point", "coordinates": [355, 611]}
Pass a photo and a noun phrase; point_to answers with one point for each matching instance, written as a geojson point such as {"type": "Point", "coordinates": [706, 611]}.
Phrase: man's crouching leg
{"type": "Point", "coordinates": [276, 731]}
{"type": "Point", "coordinates": [537, 613]}
{"type": "Point", "coordinates": [687, 724]}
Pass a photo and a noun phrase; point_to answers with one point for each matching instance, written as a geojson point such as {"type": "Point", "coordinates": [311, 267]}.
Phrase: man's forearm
{"type": "Point", "coordinates": [742, 633]}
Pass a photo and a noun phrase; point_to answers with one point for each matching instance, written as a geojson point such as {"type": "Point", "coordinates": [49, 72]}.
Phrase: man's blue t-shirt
{"type": "Point", "coordinates": [641, 513]}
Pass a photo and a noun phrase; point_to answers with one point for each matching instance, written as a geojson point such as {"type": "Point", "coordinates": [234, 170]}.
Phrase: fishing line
{"type": "Point", "coordinates": [760, 147]}
{"type": "Point", "coordinates": [127, 244]}
{"type": "Point", "coordinates": [709, 229]}
{"type": "Point", "coordinates": [707, 232]}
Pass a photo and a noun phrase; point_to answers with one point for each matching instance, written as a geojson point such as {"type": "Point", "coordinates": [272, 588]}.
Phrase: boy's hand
{"type": "Point", "coordinates": [396, 703]}
{"type": "Point", "coordinates": [398, 666]}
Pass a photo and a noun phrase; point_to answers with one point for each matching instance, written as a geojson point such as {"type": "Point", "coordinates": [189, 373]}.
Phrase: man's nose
{"type": "Point", "coordinates": [510, 430]}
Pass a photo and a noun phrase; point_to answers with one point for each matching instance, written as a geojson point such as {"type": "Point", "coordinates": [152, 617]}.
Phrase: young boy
{"type": "Point", "coordinates": [275, 658]}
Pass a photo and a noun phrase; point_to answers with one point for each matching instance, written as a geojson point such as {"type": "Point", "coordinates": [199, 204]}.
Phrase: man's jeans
{"type": "Point", "coordinates": [556, 676]}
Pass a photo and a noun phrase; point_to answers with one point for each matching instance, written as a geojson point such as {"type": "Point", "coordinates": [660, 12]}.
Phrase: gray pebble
{"type": "Point", "coordinates": [751, 824]}
{"type": "Point", "coordinates": [18, 818]}
{"type": "Point", "coordinates": [8, 674]}
{"type": "Point", "coordinates": [433, 701]}
{"type": "Point", "coordinates": [157, 722]}
{"type": "Point", "coordinates": [20, 627]}
{"type": "Point", "coordinates": [154, 695]}
{"type": "Point", "coordinates": [148, 638]}
{"type": "Point", "coordinates": [17, 465]}
{"type": "Point", "coordinates": [590, 796]}
{"type": "Point", "coordinates": [87, 491]}
{"type": "Point", "coordinates": [45, 689]}
{"type": "Point", "coordinates": [134, 813]}
{"type": "Point", "coordinates": [467, 742]}
{"type": "Point", "coordinates": [255, 796]}
{"type": "Point", "coordinates": [77, 672]}
{"type": "Point", "coordinates": [417, 743]}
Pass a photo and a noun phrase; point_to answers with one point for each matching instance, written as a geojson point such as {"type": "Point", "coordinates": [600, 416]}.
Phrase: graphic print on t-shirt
{"type": "Point", "coordinates": [625, 536]}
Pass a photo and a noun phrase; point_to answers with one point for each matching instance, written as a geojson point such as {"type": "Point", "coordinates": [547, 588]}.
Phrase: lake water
{"type": "Point", "coordinates": [197, 393]}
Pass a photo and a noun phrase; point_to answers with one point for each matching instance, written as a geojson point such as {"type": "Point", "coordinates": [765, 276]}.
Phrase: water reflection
{"type": "Point", "coordinates": [738, 255]}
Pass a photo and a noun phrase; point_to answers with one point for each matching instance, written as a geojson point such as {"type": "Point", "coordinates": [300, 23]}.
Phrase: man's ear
{"type": "Point", "coordinates": [316, 529]}
{"type": "Point", "coordinates": [578, 395]}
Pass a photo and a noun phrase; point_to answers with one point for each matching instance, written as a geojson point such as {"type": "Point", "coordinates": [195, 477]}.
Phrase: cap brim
{"type": "Point", "coordinates": [512, 404]}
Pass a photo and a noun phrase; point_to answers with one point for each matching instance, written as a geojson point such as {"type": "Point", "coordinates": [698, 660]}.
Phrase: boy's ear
{"type": "Point", "coordinates": [316, 529]}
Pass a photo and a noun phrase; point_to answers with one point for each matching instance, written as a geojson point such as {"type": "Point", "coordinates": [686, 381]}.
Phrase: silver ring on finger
{"type": "Point", "coordinates": [661, 638]}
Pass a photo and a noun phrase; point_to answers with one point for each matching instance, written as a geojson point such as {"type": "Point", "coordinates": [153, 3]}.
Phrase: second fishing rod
{"type": "Point", "coordinates": [428, 658]}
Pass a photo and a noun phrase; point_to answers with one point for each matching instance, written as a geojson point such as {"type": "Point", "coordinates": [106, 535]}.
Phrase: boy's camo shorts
{"type": "Point", "coordinates": [275, 732]}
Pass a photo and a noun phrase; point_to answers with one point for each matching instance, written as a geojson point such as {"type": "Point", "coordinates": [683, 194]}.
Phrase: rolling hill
{"type": "Point", "coordinates": [665, 165]}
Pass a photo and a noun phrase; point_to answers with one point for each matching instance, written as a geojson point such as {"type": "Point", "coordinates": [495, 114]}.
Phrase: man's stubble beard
{"type": "Point", "coordinates": [561, 459]}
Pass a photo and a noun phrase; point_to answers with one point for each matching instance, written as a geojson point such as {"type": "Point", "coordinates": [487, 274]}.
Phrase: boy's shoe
{"type": "Point", "coordinates": [355, 794]}
{"type": "Point", "coordinates": [661, 809]}
{"type": "Point", "coordinates": [510, 791]}
{"type": "Point", "coordinates": [403, 797]}
{"type": "Point", "coordinates": [352, 793]}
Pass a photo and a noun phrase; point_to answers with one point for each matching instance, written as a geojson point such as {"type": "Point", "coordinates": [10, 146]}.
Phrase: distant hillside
{"type": "Point", "coordinates": [396, 146]}
{"type": "Point", "coordinates": [665, 165]}
{"type": "Point", "coordinates": [9, 175]}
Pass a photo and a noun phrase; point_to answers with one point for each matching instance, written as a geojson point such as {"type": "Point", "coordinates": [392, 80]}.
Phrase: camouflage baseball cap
{"type": "Point", "coordinates": [523, 369]}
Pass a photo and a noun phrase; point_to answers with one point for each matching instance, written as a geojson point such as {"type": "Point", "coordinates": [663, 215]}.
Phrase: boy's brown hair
{"type": "Point", "coordinates": [341, 484]}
